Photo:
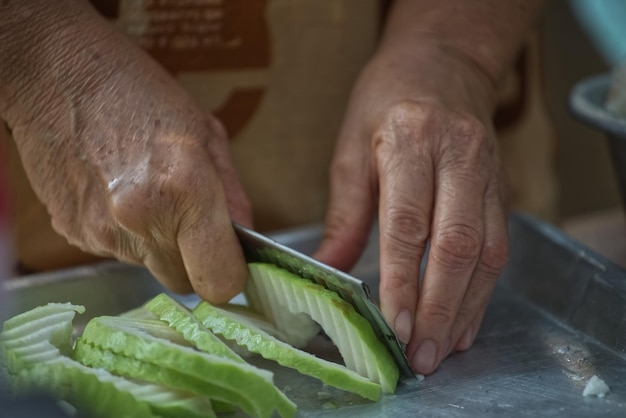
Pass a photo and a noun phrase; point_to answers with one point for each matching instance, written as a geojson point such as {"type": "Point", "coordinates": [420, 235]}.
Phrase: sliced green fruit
{"type": "Point", "coordinates": [256, 319]}
{"type": "Point", "coordinates": [237, 328]}
{"type": "Point", "coordinates": [123, 346]}
{"type": "Point", "coordinates": [193, 331]}
{"type": "Point", "coordinates": [138, 313]}
{"type": "Point", "coordinates": [349, 331]}
{"type": "Point", "coordinates": [31, 347]}
{"type": "Point", "coordinates": [297, 328]}
{"type": "Point", "coordinates": [51, 324]}
{"type": "Point", "coordinates": [178, 317]}
{"type": "Point", "coordinates": [105, 395]}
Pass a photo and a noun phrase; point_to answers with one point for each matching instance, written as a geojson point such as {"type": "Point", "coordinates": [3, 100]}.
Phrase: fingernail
{"type": "Point", "coordinates": [424, 359]}
{"type": "Point", "coordinates": [466, 339]}
{"type": "Point", "coordinates": [404, 326]}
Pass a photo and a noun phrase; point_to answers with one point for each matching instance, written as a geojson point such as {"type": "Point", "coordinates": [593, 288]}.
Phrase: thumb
{"type": "Point", "coordinates": [349, 215]}
{"type": "Point", "coordinates": [212, 255]}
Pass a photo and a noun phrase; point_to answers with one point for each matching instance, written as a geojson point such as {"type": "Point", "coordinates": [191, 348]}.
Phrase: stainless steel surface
{"type": "Point", "coordinates": [258, 247]}
{"type": "Point", "coordinates": [555, 319]}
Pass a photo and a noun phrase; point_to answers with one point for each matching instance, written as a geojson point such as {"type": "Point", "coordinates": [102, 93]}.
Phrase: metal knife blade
{"type": "Point", "coordinates": [258, 247]}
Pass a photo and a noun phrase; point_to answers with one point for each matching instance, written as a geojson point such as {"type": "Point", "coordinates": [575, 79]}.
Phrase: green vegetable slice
{"type": "Point", "coordinates": [135, 351]}
{"type": "Point", "coordinates": [236, 327]}
{"type": "Point", "coordinates": [105, 395]}
{"type": "Point", "coordinates": [256, 319]}
{"type": "Point", "coordinates": [349, 331]}
{"type": "Point", "coordinates": [181, 320]}
{"type": "Point", "coordinates": [31, 346]}
{"type": "Point", "coordinates": [297, 328]}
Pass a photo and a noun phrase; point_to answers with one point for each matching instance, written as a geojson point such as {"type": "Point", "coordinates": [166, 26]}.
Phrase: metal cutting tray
{"type": "Point", "coordinates": [557, 317]}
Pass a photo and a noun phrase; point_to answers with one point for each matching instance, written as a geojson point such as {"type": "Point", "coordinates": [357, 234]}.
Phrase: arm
{"type": "Point", "coordinates": [418, 146]}
{"type": "Point", "coordinates": [126, 163]}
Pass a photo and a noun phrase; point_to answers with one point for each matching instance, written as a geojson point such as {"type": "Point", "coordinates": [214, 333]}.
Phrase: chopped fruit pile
{"type": "Point", "coordinates": [164, 360]}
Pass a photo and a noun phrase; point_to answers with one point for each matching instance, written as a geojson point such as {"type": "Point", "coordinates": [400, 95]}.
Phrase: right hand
{"type": "Point", "coordinates": [126, 163]}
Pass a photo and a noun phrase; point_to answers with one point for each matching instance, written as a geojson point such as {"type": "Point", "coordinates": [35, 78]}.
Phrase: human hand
{"type": "Point", "coordinates": [127, 165]}
{"type": "Point", "coordinates": [418, 146]}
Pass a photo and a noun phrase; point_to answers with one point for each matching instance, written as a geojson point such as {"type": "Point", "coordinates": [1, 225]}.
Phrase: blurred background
{"type": "Point", "coordinates": [579, 39]}
{"type": "Point", "coordinates": [585, 172]}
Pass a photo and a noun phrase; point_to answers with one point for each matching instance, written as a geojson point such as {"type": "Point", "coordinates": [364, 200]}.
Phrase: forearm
{"type": "Point", "coordinates": [438, 37]}
{"type": "Point", "coordinates": [28, 32]}
{"type": "Point", "coordinates": [52, 53]}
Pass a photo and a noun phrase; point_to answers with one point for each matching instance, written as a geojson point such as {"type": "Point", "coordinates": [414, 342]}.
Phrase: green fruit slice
{"type": "Point", "coordinates": [235, 327]}
{"type": "Point", "coordinates": [296, 327]}
{"type": "Point", "coordinates": [349, 331]}
{"type": "Point", "coordinates": [105, 395]}
{"type": "Point", "coordinates": [137, 351]}
{"type": "Point", "coordinates": [256, 319]}
{"type": "Point", "coordinates": [193, 331]}
{"type": "Point", "coordinates": [31, 346]}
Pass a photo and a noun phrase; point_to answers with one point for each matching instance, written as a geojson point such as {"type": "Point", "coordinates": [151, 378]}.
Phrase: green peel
{"type": "Point", "coordinates": [236, 328]}
{"type": "Point", "coordinates": [138, 354]}
{"type": "Point", "coordinates": [298, 328]}
{"type": "Point", "coordinates": [31, 349]}
{"type": "Point", "coordinates": [193, 331]}
{"type": "Point", "coordinates": [349, 331]}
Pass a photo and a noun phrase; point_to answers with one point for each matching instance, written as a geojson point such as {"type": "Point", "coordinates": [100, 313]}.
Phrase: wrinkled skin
{"type": "Point", "coordinates": [418, 150]}
{"type": "Point", "coordinates": [129, 167]}
{"type": "Point", "coordinates": [126, 163]}
{"type": "Point", "coordinates": [427, 164]}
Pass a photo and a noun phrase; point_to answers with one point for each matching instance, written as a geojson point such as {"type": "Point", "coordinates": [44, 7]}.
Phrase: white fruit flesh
{"type": "Point", "coordinates": [351, 333]}
{"type": "Point", "coordinates": [160, 360]}
{"type": "Point", "coordinates": [31, 348]}
{"type": "Point", "coordinates": [298, 328]}
{"type": "Point", "coordinates": [193, 331]}
{"type": "Point", "coordinates": [235, 327]}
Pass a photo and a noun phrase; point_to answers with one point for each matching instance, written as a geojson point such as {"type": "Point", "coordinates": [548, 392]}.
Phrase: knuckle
{"type": "Point", "coordinates": [405, 113]}
{"type": "Point", "coordinates": [457, 246]}
{"type": "Point", "coordinates": [406, 231]}
{"type": "Point", "coordinates": [163, 195]}
{"type": "Point", "coordinates": [437, 312]}
{"type": "Point", "coordinates": [470, 130]}
{"type": "Point", "coordinates": [494, 258]}
{"type": "Point", "coordinates": [400, 284]}
{"type": "Point", "coordinates": [402, 111]}
{"type": "Point", "coordinates": [404, 119]}
{"type": "Point", "coordinates": [467, 143]}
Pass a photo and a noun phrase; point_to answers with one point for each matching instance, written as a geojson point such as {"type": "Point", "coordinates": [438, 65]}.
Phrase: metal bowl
{"type": "Point", "coordinates": [587, 103]}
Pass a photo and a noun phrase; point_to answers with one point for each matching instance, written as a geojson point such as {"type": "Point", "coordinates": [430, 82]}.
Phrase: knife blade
{"type": "Point", "coordinates": [260, 248]}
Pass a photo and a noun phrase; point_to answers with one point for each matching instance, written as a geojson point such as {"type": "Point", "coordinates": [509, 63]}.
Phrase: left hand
{"type": "Point", "coordinates": [418, 146]}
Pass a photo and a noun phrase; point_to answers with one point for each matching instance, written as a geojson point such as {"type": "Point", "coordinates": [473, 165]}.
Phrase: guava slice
{"type": "Point", "coordinates": [258, 320]}
{"type": "Point", "coordinates": [138, 313]}
{"type": "Point", "coordinates": [297, 328]}
{"type": "Point", "coordinates": [127, 347]}
{"type": "Point", "coordinates": [180, 319]}
{"type": "Point", "coordinates": [237, 328]}
{"type": "Point", "coordinates": [31, 346]}
{"type": "Point", "coordinates": [350, 332]}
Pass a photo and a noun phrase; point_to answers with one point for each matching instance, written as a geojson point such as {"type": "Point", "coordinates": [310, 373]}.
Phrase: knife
{"type": "Point", "coordinates": [258, 247]}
